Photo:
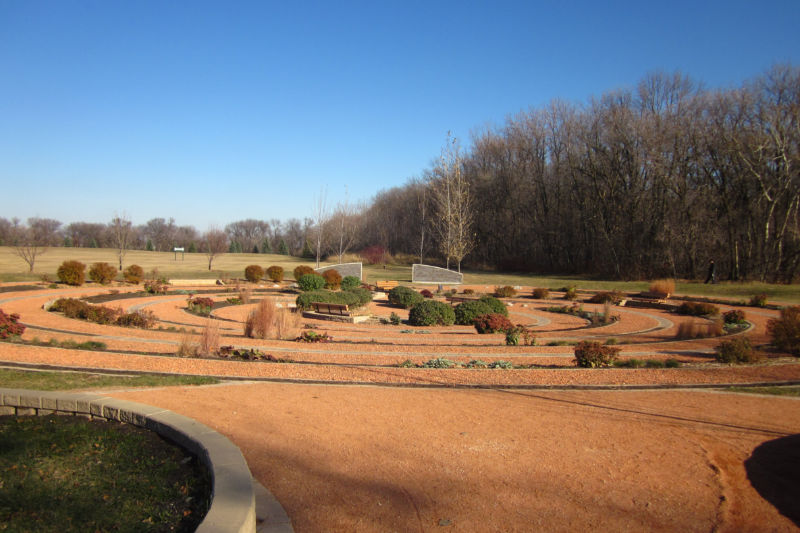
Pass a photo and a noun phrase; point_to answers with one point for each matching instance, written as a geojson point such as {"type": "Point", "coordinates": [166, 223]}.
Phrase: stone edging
{"type": "Point", "coordinates": [233, 505]}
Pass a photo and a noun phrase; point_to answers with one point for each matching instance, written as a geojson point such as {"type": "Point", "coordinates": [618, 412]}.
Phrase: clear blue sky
{"type": "Point", "coordinates": [211, 112]}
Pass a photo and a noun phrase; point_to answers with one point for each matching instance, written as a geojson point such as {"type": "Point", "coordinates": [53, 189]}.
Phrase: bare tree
{"type": "Point", "coordinates": [122, 230]}
{"type": "Point", "coordinates": [319, 222]}
{"type": "Point", "coordinates": [216, 243]}
{"type": "Point", "coordinates": [32, 241]}
{"type": "Point", "coordinates": [450, 195]}
{"type": "Point", "coordinates": [345, 222]}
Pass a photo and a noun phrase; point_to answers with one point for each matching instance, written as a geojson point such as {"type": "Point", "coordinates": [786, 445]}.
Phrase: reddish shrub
{"type": "Point", "coordinates": [333, 280]}
{"type": "Point", "coordinates": [593, 354]}
{"type": "Point", "coordinates": [253, 273]}
{"type": "Point", "coordinates": [505, 292]}
{"type": "Point", "coordinates": [426, 293]}
{"type": "Point", "coordinates": [133, 274]}
{"type": "Point", "coordinates": [102, 273]}
{"type": "Point", "coordinates": [373, 254]}
{"type": "Point", "coordinates": [302, 270]}
{"type": "Point", "coordinates": [275, 273]}
{"type": "Point", "coordinates": [10, 326]}
{"type": "Point", "coordinates": [72, 273]}
{"type": "Point", "coordinates": [492, 323]}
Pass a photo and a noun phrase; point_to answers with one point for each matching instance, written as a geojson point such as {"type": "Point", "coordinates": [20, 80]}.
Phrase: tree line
{"type": "Point", "coordinates": [651, 181]}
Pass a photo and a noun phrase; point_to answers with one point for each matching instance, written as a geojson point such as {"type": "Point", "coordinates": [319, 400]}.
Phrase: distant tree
{"type": "Point", "coordinates": [282, 248]}
{"type": "Point", "coordinates": [192, 248]}
{"type": "Point", "coordinates": [35, 239]}
{"type": "Point", "coordinates": [216, 242]}
{"type": "Point", "coordinates": [67, 242]}
{"type": "Point", "coordinates": [344, 223]}
{"type": "Point", "coordinates": [149, 246]}
{"type": "Point", "coordinates": [266, 248]}
{"type": "Point", "coordinates": [122, 230]}
{"type": "Point", "coordinates": [255, 249]}
{"type": "Point", "coordinates": [307, 253]}
{"type": "Point", "coordinates": [320, 221]}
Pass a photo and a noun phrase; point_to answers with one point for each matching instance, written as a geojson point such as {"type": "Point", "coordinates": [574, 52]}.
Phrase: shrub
{"type": "Point", "coordinates": [103, 315]}
{"type": "Point", "coordinates": [200, 306]}
{"type": "Point", "coordinates": [672, 363]}
{"type": "Point", "coordinates": [275, 273]}
{"type": "Point", "coordinates": [513, 336]}
{"type": "Point", "coordinates": [156, 286]}
{"type": "Point", "coordinates": [268, 321]}
{"type": "Point", "coordinates": [614, 297]}
{"type": "Point", "coordinates": [142, 318]}
{"type": "Point", "coordinates": [694, 330]}
{"type": "Point", "coordinates": [593, 354]}
{"type": "Point", "coordinates": [541, 293]}
{"type": "Point", "coordinates": [394, 319]}
{"type": "Point", "coordinates": [302, 270]}
{"type": "Point", "coordinates": [505, 365]}
{"type": "Point", "coordinates": [357, 297]}
{"type": "Point", "coordinates": [663, 287]}
{"type": "Point", "coordinates": [102, 273]}
{"type": "Point", "coordinates": [313, 336]}
{"type": "Point", "coordinates": [311, 282]}
{"type": "Point", "coordinates": [758, 300]}
{"type": "Point", "coordinates": [439, 362]}
{"type": "Point", "coordinates": [350, 282]}
{"type": "Point", "coordinates": [133, 274]}
{"type": "Point", "coordinates": [10, 326]}
{"type": "Point", "coordinates": [72, 273]}
{"type": "Point", "coordinates": [570, 293]}
{"type": "Point", "coordinates": [735, 351]}
{"type": "Point", "coordinates": [253, 273]}
{"type": "Point", "coordinates": [373, 254]}
{"type": "Point", "coordinates": [426, 293]}
{"type": "Point", "coordinates": [496, 305]}
{"type": "Point", "coordinates": [333, 280]}
{"type": "Point", "coordinates": [404, 297]}
{"type": "Point", "coordinates": [492, 323]}
{"type": "Point", "coordinates": [505, 292]}
{"type": "Point", "coordinates": [71, 307]}
{"type": "Point", "coordinates": [698, 309]}
{"type": "Point", "coordinates": [431, 312]}
{"type": "Point", "coordinates": [785, 331]}
{"type": "Point", "coordinates": [467, 312]}
{"type": "Point", "coordinates": [734, 316]}
{"type": "Point", "coordinates": [467, 292]}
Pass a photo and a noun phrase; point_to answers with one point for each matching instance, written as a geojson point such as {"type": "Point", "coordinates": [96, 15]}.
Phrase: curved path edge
{"type": "Point", "coordinates": [238, 504]}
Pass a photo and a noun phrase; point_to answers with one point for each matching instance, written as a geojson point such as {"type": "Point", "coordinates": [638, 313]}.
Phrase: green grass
{"type": "Point", "coordinates": [195, 266]}
{"type": "Point", "coordinates": [782, 390]}
{"type": "Point", "coordinates": [66, 473]}
{"type": "Point", "coordinates": [46, 380]}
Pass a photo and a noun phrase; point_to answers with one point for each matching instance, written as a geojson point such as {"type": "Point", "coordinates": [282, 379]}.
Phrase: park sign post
{"type": "Point", "coordinates": [176, 250]}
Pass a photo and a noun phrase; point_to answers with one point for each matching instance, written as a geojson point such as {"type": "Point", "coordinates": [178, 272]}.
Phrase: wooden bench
{"type": "Point", "coordinates": [386, 286]}
{"type": "Point", "coordinates": [460, 299]}
{"type": "Point", "coordinates": [330, 309]}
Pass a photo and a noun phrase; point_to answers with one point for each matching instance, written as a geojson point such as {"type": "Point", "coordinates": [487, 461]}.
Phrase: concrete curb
{"type": "Point", "coordinates": [236, 497]}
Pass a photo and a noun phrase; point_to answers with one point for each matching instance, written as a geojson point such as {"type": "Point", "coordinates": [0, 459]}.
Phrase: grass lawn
{"type": "Point", "coordinates": [66, 473]}
{"type": "Point", "coordinates": [785, 390]}
{"type": "Point", "coordinates": [195, 266]}
{"type": "Point", "coordinates": [45, 380]}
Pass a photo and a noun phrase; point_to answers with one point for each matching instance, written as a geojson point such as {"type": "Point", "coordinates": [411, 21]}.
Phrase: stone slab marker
{"type": "Point", "coordinates": [432, 274]}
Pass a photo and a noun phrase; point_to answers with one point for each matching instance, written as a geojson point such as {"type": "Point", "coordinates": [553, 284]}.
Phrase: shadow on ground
{"type": "Point", "coordinates": [774, 471]}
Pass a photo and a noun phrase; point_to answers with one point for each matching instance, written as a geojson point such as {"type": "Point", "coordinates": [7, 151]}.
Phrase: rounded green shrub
{"type": "Point", "coordinates": [102, 273]}
{"type": "Point", "coordinates": [466, 312]}
{"type": "Point", "coordinates": [253, 273]}
{"type": "Point", "coordinates": [311, 282]}
{"type": "Point", "coordinates": [350, 282]}
{"type": "Point", "coordinates": [133, 274]}
{"type": "Point", "coordinates": [72, 273]}
{"type": "Point", "coordinates": [404, 297]}
{"type": "Point", "coordinates": [431, 313]}
{"type": "Point", "coordinates": [275, 273]}
{"type": "Point", "coordinates": [496, 305]}
{"type": "Point", "coordinates": [302, 270]}
{"type": "Point", "coordinates": [333, 280]}
{"type": "Point", "coordinates": [357, 297]}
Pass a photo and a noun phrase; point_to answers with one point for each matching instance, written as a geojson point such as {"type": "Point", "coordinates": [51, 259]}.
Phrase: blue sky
{"type": "Point", "coordinates": [211, 112]}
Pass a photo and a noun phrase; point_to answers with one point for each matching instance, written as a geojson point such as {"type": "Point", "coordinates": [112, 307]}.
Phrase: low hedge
{"type": "Point", "coordinates": [357, 297]}
{"type": "Point", "coordinates": [431, 313]}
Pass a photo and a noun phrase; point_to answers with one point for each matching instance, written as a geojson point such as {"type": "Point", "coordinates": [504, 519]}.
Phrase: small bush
{"type": "Point", "coordinates": [785, 331]}
{"type": "Point", "coordinates": [268, 321]}
{"type": "Point", "coordinates": [570, 293]}
{"type": "Point", "coordinates": [72, 273]}
{"type": "Point", "coordinates": [505, 365]}
{"type": "Point", "coordinates": [698, 309]}
{"type": "Point", "coordinates": [430, 313]}
{"type": "Point", "coordinates": [156, 286]}
{"type": "Point", "coordinates": [426, 293]}
{"type": "Point", "coordinates": [10, 326]}
{"type": "Point", "coordinates": [520, 332]}
{"type": "Point", "coordinates": [758, 300]}
{"type": "Point", "coordinates": [200, 306]}
{"type": "Point", "coordinates": [253, 273]}
{"type": "Point", "coordinates": [663, 287]}
{"type": "Point", "coordinates": [505, 292]}
{"type": "Point", "coordinates": [311, 282]}
{"type": "Point", "coordinates": [496, 305]}
{"type": "Point", "coordinates": [672, 363]}
{"type": "Point", "coordinates": [467, 292]}
{"type": "Point", "coordinates": [350, 282]}
{"type": "Point", "coordinates": [133, 274]}
{"type": "Point", "coordinates": [614, 297]}
{"type": "Point", "coordinates": [333, 280]}
{"type": "Point", "coordinates": [467, 312]}
{"type": "Point", "coordinates": [357, 297]}
{"type": "Point", "coordinates": [302, 270]}
{"type": "Point", "coordinates": [312, 336]}
{"type": "Point", "coordinates": [103, 315]}
{"type": "Point", "coordinates": [373, 254]}
{"type": "Point", "coordinates": [394, 319]}
{"type": "Point", "coordinates": [404, 297]}
{"type": "Point", "coordinates": [439, 362]}
{"type": "Point", "coordinates": [492, 323]}
{"type": "Point", "coordinates": [734, 316]}
{"type": "Point", "coordinates": [735, 351]}
{"type": "Point", "coordinates": [102, 273]}
{"type": "Point", "coordinates": [541, 293]}
{"type": "Point", "coordinates": [275, 273]}
{"type": "Point", "coordinates": [695, 330]}
{"type": "Point", "coordinates": [71, 307]}
{"type": "Point", "coordinates": [142, 319]}
{"type": "Point", "coordinates": [593, 354]}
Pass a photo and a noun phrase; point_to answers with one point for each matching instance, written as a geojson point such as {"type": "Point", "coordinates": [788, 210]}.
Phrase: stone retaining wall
{"type": "Point", "coordinates": [233, 507]}
{"type": "Point", "coordinates": [432, 274]}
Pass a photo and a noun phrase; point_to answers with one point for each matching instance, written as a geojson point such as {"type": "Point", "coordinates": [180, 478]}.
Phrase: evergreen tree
{"type": "Point", "coordinates": [149, 246]}
{"type": "Point", "coordinates": [282, 248]}
{"type": "Point", "coordinates": [93, 244]}
{"type": "Point", "coordinates": [255, 249]}
{"type": "Point", "coordinates": [265, 247]}
{"type": "Point", "coordinates": [192, 249]}
{"type": "Point", "coordinates": [308, 253]}
{"type": "Point", "coordinates": [67, 242]}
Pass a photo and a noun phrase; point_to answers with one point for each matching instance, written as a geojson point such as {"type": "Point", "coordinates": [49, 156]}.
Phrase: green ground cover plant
{"type": "Point", "coordinates": [51, 380]}
{"type": "Point", "coordinates": [66, 473]}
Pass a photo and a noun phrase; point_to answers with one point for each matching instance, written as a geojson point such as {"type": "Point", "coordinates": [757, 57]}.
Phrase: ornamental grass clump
{"type": "Point", "coordinates": [662, 287]}
{"type": "Point", "coordinates": [268, 321]}
{"type": "Point", "coordinates": [540, 293]}
{"type": "Point", "coordinates": [593, 354]}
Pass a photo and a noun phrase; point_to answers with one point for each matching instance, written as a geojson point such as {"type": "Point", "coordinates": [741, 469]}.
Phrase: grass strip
{"type": "Point", "coordinates": [65, 473]}
{"type": "Point", "coordinates": [47, 380]}
{"type": "Point", "coordinates": [777, 390]}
